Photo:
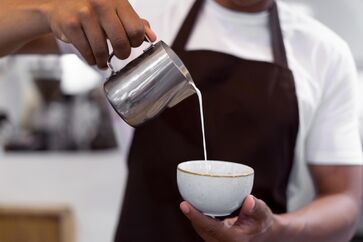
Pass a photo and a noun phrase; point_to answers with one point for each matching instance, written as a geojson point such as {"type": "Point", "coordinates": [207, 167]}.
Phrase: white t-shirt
{"type": "Point", "coordinates": [360, 77]}
{"type": "Point", "coordinates": [322, 64]}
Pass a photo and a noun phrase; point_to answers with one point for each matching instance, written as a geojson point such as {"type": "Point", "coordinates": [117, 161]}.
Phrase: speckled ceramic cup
{"type": "Point", "coordinates": [216, 188]}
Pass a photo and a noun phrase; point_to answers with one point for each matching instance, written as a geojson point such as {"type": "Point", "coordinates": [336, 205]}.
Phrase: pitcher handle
{"type": "Point", "coordinates": [109, 64]}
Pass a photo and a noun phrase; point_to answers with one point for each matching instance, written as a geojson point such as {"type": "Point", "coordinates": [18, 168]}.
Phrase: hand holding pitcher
{"type": "Point", "coordinates": [87, 24]}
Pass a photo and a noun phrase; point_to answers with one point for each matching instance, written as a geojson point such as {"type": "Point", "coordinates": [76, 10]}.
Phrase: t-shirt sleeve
{"type": "Point", "coordinates": [361, 106]}
{"type": "Point", "coordinates": [334, 137]}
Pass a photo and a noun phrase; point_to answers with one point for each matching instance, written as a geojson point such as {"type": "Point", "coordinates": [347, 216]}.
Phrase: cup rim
{"type": "Point", "coordinates": [245, 174]}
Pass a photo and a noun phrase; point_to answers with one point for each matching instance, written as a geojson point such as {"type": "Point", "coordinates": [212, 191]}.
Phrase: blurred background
{"type": "Point", "coordinates": [62, 154]}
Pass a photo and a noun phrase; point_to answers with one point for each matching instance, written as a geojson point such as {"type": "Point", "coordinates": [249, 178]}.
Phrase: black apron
{"type": "Point", "coordinates": [251, 117]}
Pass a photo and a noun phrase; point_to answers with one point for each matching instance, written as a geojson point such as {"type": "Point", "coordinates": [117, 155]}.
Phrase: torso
{"type": "Point", "coordinates": [251, 117]}
{"type": "Point", "coordinates": [303, 37]}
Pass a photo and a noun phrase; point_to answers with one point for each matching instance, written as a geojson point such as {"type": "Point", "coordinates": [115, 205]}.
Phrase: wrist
{"type": "Point", "coordinates": [36, 13]}
{"type": "Point", "coordinates": [24, 20]}
{"type": "Point", "coordinates": [286, 230]}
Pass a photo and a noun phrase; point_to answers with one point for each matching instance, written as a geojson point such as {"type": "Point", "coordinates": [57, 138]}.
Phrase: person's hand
{"type": "Point", "coordinates": [87, 24]}
{"type": "Point", "coordinates": [255, 223]}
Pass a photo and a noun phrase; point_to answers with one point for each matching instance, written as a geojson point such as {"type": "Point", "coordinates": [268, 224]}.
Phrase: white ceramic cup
{"type": "Point", "coordinates": [216, 188]}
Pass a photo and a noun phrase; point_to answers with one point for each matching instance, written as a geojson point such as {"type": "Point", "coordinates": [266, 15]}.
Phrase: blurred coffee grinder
{"type": "Point", "coordinates": [65, 122]}
{"type": "Point", "coordinates": [5, 130]}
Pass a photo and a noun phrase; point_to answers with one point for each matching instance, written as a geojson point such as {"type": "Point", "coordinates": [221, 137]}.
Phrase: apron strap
{"type": "Point", "coordinates": [278, 46]}
{"type": "Point", "coordinates": [277, 40]}
{"type": "Point", "coordinates": [188, 25]}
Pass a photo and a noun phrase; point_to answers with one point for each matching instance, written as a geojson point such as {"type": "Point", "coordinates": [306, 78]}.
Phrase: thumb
{"type": "Point", "coordinates": [254, 208]}
{"type": "Point", "coordinates": [148, 31]}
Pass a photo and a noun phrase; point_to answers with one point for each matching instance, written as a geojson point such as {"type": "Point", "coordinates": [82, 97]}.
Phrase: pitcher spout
{"type": "Point", "coordinates": [182, 94]}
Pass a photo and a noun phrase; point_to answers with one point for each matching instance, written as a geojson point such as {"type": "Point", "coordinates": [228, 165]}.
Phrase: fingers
{"type": "Point", "coordinates": [148, 31]}
{"type": "Point", "coordinates": [117, 36]}
{"type": "Point", "coordinates": [124, 28]}
{"type": "Point", "coordinates": [209, 229]}
{"type": "Point", "coordinates": [254, 220]}
{"type": "Point", "coordinates": [73, 32]}
{"type": "Point", "coordinates": [133, 25]}
{"type": "Point", "coordinates": [96, 38]}
{"type": "Point", "coordinates": [248, 205]}
{"type": "Point", "coordinates": [229, 222]}
{"type": "Point", "coordinates": [87, 24]}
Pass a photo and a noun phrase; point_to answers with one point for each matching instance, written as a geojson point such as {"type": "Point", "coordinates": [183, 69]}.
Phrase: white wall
{"type": "Point", "coordinates": [91, 184]}
{"type": "Point", "coordinates": [344, 17]}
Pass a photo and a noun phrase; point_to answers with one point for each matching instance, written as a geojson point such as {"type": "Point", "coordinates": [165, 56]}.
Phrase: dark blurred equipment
{"type": "Point", "coordinates": [66, 122]}
{"type": "Point", "coordinates": [2, 117]}
{"type": "Point", "coordinates": [5, 128]}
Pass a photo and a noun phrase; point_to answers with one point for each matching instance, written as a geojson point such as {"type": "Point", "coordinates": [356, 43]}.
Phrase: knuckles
{"type": "Point", "coordinates": [72, 24]}
{"type": "Point", "coordinates": [99, 5]}
{"type": "Point", "coordinates": [85, 13]}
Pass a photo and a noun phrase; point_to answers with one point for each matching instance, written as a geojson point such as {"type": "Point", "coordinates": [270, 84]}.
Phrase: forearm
{"type": "Point", "coordinates": [21, 21]}
{"type": "Point", "coordinates": [46, 45]}
{"type": "Point", "coordinates": [331, 218]}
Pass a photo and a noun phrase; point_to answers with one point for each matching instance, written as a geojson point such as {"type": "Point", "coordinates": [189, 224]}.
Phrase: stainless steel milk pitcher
{"type": "Point", "coordinates": [147, 85]}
